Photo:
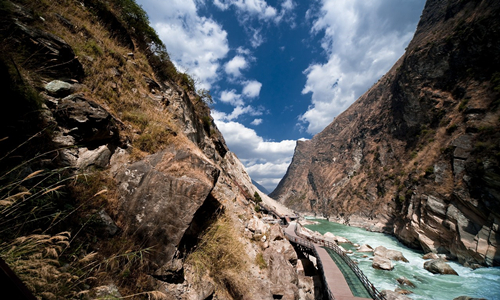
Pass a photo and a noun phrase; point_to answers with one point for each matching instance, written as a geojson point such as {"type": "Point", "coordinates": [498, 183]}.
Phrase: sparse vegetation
{"type": "Point", "coordinates": [220, 254]}
{"type": "Point", "coordinates": [260, 261]}
{"type": "Point", "coordinates": [257, 197]}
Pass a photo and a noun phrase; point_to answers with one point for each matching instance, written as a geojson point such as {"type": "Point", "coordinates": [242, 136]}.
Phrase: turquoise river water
{"type": "Point", "coordinates": [479, 283]}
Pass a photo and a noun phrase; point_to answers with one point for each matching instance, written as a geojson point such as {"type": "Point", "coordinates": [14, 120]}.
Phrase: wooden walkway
{"type": "Point", "coordinates": [333, 276]}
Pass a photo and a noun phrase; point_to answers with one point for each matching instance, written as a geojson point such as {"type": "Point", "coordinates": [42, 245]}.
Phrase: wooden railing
{"type": "Point", "coordinates": [354, 267]}
{"type": "Point", "coordinates": [305, 243]}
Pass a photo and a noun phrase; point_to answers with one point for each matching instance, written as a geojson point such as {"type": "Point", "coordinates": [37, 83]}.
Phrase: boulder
{"type": "Point", "coordinates": [391, 295]}
{"type": "Point", "coordinates": [365, 248]}
{"type": "Point", "coordinates": [389, 254]}
{"type": "Point", "coordinates": [439, 266]}
{"type": "Point", "coordinates": [382, 263]}
{"type": "Point", "coordinates": [58, 88]}
{"type": "Point", "coordinates": [430, 255]}
{"type": "Point", "coordinates": [329, 235]}
{"type": "Point", "coordinates": [98, 157]}
{"type": "Point", "coordinates": [174, 182]}
{"type": "Point", "coordinates": [467, 298]}
{"type": "Point", "coordinates": [275, 233]}
{"type": "Point", "coordinates": [286, 249]}
{"type": "Point", "coordinates": [282, 275]}
{"type": "Point", "coordinates": [85, 120]}
{"type": "Point", "coordinates": [405, 281]}
{"type": "Point", "coordinates": [51, 54]}
{"type": "Point", "coordinates": [257, 226]}
{"type": "Point", "coordinates": [109, 227]}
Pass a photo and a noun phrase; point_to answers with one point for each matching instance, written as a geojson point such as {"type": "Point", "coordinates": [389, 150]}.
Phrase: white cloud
{"type": "Point", "coordinates": [249, 8]}
{"type": "Point", "coordinates": [265, 161]}
{"type": "Point", "coordinates": [231, 97]}
{"type": "Point", "coordinates": [362, 41]}
{"type": "Point", "coordinates": [256, 122]}
{"type": "Point", "coordinates": [252, 88]}
{"type": "Point", "coordinates": [235, 65]}
{"type": "Point", "coordinates": [195, 44]}
{"type": "Point", "coordinates": [256, 38]}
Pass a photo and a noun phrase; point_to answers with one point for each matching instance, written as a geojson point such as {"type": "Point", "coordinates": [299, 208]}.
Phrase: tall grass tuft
{"type": "Point", "coordinates": [222, 255]}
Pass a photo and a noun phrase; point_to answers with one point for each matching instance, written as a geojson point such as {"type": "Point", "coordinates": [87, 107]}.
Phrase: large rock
{"type": "Point", "coordinates": [391, 295]}
{"type": "Point", "coordinates": [58, 88]}
{"type": "Point", "coordinates": [85, 120]}
{"type": "Point", "coordinates": [282, 275]}
{"type": "Point", "coordinates": [160, 195]}
{"type": "Point", "coordinates": [382, 263]}
{"type": "Point", "coordinates": [439, 266]}
{"type": "Point", "coordinates": [365, 248]}
{"type": "Point", "coordinates": [389, 254]}
{"type": "Point", "coordinates": [51, 54]}
{"type": "Point", "coordinates": [98, 157]}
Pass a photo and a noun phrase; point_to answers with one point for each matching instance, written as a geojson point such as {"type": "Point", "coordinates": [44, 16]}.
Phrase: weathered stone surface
{"type": "Point", "coordinates": [257, 226]}
{"type": "Point", "coordinates": [52, 55]}
{"type": "Point", "coordinates": [391, 295]}
{"type": "Point", "coordinates": [174, 182]}
{"type": "Point", "coordinates": [109, 226]}
{"type": "Point", "coordinates": [87, 121]}
{"type": "Point", "coordinates": [467, 298]}
{"type": "Point", "coordinates": [405, 281]}
{"type": "Point", "coordinates": [282, 275]}
{"type": "Point", "coordinates": [439, 266]}
{"type": "Point", "coordinates": [276, 233]}
{"type": "Point", "coordinates": [382, 263]}
{"type": "Point", "coordinates": [389, 254]}
{"type": "Point", "coordinates": [365, 248]}
{"type": "Point", "coordinates": [58, 88]}
{"type": "Point", "coordinates": [98, 157]}
{"type": "Point", "coordinates": [430, 255]}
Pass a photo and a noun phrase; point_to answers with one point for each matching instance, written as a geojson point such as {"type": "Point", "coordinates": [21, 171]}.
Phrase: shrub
{"type": "Point", "coordinates": [257, 197]}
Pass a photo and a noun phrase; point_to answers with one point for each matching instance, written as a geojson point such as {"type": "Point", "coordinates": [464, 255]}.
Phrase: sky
{"type": "Point", "coordinates": [281, 70]}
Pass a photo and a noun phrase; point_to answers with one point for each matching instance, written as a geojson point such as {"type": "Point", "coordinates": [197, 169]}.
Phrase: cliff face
{"type": "Point", "coordinates": [417, 154]}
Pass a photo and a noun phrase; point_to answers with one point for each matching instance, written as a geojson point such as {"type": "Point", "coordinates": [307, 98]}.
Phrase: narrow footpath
{"type": "Point", "coordinates": [335, 279]}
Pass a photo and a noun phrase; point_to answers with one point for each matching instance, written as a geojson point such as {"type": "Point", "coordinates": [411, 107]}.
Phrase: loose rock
{"type": "Point", "coordinates": [439, 266]}
{"type": "Point", "coordinates": [382, 263]}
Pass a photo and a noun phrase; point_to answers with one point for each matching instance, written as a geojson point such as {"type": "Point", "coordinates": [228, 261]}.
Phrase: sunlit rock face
{"type": "Point", "coordinates": [417, 154]}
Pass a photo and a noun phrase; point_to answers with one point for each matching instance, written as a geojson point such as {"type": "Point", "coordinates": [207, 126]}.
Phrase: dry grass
{"type": "Point", "coordinates": [34, 258]}
{"type": "Point", "coordinates": [221, 254]}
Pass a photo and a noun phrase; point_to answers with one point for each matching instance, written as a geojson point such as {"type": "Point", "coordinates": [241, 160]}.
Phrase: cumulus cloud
{"type": "Point", "coordinates": [249, 8]}
{"type": "Point", "coordinates": [195, 44]}
{"type": "Point", "coordinates": [256, 122]}
{"type": "Point", "coordinates": [265, 161]}
{"type": "Point", "coordinates": [251, 88]}
{"type": "Point", "coordinates": [231, 97]}
{"type": "Point", "coordinates": [235, 65]}
{"type": "Point", "coordinates": [361, 43]}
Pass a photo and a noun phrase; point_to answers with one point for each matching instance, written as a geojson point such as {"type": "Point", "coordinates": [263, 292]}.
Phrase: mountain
{"type": "Point", "coordinates": [417, 155]}
{"type": "Point", "coordinates": [260, 187]}
{"type": "Point", "coordinates": [114, 180]}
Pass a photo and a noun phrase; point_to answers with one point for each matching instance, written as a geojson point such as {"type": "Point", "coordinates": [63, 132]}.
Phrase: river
{"type": "Point", "coordinates": [479, 283]}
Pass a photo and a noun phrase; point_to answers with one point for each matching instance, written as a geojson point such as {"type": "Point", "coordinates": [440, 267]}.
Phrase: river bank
{"type": "Point", "coordinates": [479, 283]}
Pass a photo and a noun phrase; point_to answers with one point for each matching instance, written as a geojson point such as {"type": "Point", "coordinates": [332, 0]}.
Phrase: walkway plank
{"type": "Point", "coordinates": [334, 277]}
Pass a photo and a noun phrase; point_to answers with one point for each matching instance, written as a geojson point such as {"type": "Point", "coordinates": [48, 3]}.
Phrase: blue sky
{"type": "Point", "coordinates": [281, 70]}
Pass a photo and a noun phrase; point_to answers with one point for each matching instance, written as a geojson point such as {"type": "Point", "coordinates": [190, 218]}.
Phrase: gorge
{"type": "Point", "coordinates": [115, 181]}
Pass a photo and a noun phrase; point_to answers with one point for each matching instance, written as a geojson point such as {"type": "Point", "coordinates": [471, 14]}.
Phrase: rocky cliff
{"type": "Point", "coordinates": [418, 154]}
{"type": "Point", "coordinates": [103, 139]}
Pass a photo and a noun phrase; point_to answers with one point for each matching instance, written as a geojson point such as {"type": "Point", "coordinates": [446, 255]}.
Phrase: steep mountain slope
{"type": "Point", "coordinates": [418, 154]}
{"type": "Point", "coordinates": [114, 180]}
